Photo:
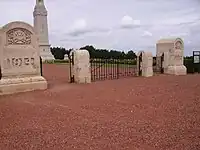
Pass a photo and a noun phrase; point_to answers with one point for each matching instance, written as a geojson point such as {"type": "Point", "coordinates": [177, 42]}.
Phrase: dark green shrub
{"type": "Point", "coordinates": [188, 63]}
{"type": "Point", "coordinates": [57, 61]}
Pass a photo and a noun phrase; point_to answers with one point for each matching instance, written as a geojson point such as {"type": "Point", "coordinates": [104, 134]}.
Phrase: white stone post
{"type": "Point", "coordinates": [147, 61]}
{"type": "Point", "coordinates": [81, 67]}
{"type": "Point", "coordinates": [176, 66]}
{"type": "Point", "coordinates": [146, 64]}
{"type": "Point", "coordinates": [173, 50]}
{"type": "Point", "coordinates": [166, 62]}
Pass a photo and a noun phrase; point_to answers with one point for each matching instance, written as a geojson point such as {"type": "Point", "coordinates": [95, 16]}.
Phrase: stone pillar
{"type": "Point", "coordinates": [146, 64]}
{"type": "Point", "coordinates": [81, 67]}
{"type": "Point", "coordinates": [173, 50]}
{"type": "Point", "coordinates": [166, 62]}
{"type": "Point", "coordinates": [176, 66]}
{"type": "Point", "coordinates": [41, 29]}
{"type": "Point", "coordinates": [20, 59]}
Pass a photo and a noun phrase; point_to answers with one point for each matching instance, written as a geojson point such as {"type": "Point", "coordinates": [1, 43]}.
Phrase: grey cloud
{"type": "Point", "coordinates": [87, 31]}
{"type": "Point", "coordinates": [127, 22]}
{"type": "Point", "coordinates": [129, 26]}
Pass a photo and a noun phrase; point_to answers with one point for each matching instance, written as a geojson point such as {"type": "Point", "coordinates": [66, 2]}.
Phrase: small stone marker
{"type": "Point", "coordinates": [19, 59]}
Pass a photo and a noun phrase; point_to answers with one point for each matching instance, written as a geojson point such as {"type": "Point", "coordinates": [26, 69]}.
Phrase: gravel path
{"type": "Point", "coordinates": [156, 113]}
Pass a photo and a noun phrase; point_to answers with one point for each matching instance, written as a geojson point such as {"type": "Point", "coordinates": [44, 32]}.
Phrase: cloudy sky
{"type": "Point", "coordinates": [113, 24]}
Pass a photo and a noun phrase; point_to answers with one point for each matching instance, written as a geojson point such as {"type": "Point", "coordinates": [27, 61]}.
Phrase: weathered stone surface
{"type": "Point", "coordinates": [19, 59]}
{"type": "Point", "coordinates": [81, 67]}
{"type": "Point", "coordinates": [41, 28]}
{"type": "Point", "coordinates": [177, 70]}
{"type": "Point", "coordinates": [173, 50]}
{"type": "Point", "coordinates": [166, 62]}
{"type": "Point", "coordinates": [146, 63]}
{"type": "Point", "coordinates": [15, 85]}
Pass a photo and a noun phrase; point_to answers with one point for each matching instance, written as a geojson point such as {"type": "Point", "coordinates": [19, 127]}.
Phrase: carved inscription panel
{"type": "Point", "coordinates": [178, 58]}
{"type": "Point", "coordinates": [18, 36]}
{"type": "Point", "coordinates": [14, 62]}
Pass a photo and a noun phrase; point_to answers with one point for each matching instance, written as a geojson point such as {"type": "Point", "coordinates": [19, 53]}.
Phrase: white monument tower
{"type": "Point", "coordinates": [41, 27]}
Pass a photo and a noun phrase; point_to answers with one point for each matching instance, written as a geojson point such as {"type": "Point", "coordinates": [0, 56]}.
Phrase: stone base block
{"type": "Point", "coordinates": [83, 80]}
{"type": "Point", "coordinates": [147, 72]}
{"type": "Point", "coordinates": [165, 70]}
{"type": "Point", "coordinates": [16, 85]}
{"type": "Point", "coordinates": [177, 70]}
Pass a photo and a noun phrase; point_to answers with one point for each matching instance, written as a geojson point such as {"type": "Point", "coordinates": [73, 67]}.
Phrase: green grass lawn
{"type": "Point", "coordinates": [56, 62]}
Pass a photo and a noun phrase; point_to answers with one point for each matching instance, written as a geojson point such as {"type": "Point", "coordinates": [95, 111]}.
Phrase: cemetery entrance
{"type": "Point", "coordinates": [158, 64]}
{"type": "Point", "coordinates": [108, 69]}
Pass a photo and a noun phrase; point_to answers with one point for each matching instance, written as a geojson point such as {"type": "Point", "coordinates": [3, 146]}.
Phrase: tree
{"type": "Point", "coordinates": [106, 54]}
{"type": "Point", "coordinates": [58, 52]}
{"type": "Point", "coordinates": [90, 49]}
{"type": "Point", "coordinates": [131, 55]}
{"type": "Point", "coordinates": [68, 52]}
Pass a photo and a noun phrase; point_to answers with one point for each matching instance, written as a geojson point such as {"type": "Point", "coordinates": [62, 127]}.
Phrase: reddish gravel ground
{"type": "Point", "coordinates": [156, 113]}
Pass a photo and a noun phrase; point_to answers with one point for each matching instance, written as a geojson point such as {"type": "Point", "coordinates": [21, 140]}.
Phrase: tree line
{"type": "Point", "coordinates": [60, 52]}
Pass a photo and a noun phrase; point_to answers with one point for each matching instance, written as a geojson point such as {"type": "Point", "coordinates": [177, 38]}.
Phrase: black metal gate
{"type": "Point", "coordinates": [162, 61]}
{"type": "Point", "coordinates": [41, 66]}
{"type": "Point", "coordinates": [71, 64]}
{"type": "Point", "coordinates": [105, 69]}
{"type": "Point", "coordinates": [0, 73]}
{"type": "Point", "coordinates": [158, 64]}
{"type": "Point", "coordinates": [139, 65]}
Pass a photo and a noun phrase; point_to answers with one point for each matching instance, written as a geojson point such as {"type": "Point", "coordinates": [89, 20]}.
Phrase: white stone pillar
{"type": "Point", "coordinates": [166, 62]}
{"type": "Point", "coordinates": [41, 29]}
{"type": "Point", "coordinates": [81, 67]}
{"type": "Point", "coordinates": [176, 66]}
{"type": "Point", "coordinates": [146, 64]}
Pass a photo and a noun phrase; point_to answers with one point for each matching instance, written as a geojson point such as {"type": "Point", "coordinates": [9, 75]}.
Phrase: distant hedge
{"type": "Point", "coordinates": [191, 67]}
{"type": "Point", "coordinates": [56, 61]}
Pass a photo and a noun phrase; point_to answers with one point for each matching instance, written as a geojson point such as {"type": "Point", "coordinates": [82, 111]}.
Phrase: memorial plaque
{"type": "Point", "coordinates": [20, 54]}
{"type": "Point", "coordinates": [196, 52]}
{"type": "Point", "coordinates": [196, 59]}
